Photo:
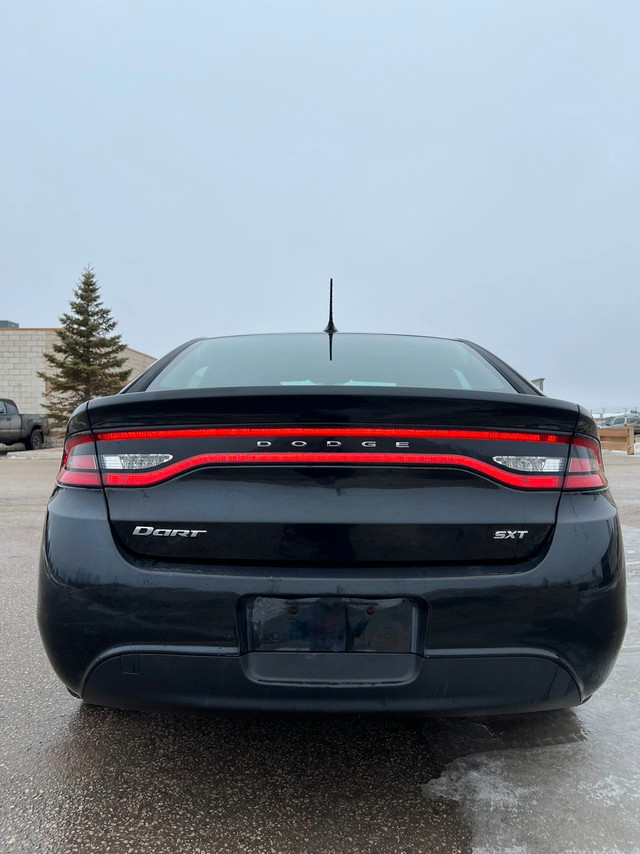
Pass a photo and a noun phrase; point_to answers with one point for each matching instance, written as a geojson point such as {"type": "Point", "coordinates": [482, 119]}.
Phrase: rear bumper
{"type": "Point", "coordinates": [491, 682]}
{"type": "Point", "coordinates": [137, 634]}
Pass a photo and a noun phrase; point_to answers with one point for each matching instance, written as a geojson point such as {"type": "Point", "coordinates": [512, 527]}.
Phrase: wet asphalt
{"type": "Point", "coordinates": [82, 779]}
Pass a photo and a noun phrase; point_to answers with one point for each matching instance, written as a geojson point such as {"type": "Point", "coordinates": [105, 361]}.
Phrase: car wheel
{"type": "Point", "coordinates": [35, 440]}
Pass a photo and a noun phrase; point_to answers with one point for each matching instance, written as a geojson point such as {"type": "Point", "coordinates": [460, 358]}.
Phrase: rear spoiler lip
{"type": "Point", "coordinates": [388, 407]}
{"type": "Point", "coordinates": [333, 391]}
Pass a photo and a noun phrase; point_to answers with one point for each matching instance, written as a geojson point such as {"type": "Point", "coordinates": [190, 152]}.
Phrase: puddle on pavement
{"type": "Point", "coordinates": [296, 785]}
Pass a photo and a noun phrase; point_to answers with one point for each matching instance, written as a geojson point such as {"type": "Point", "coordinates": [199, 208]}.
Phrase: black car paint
{"type": "Point", "coordinates": [496, 630]}
{"type": "Point", "coordinates": [568, 608]}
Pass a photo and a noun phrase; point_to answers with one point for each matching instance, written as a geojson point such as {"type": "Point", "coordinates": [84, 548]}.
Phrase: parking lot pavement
{"type": "Point", "coordinates": [81, 779]}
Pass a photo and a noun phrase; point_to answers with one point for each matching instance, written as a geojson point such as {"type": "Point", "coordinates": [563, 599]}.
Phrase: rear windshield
{"type": "Point", "coordinates": [395, 361]}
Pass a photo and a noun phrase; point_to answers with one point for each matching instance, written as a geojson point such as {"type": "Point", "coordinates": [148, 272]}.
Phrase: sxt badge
{"type": "Point", "coordinates": [509, 535]}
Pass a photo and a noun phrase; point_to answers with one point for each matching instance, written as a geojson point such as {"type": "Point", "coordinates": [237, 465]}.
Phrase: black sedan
{"type": "Point", "coordinates": [350, 522]}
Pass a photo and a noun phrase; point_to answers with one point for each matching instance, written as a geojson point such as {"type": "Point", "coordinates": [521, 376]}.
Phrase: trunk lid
{"type": "Point", "coordinates": [279, 476]}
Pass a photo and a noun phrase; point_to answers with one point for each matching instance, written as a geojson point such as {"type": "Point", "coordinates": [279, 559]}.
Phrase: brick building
{"type": "Point", "coordinates": [22, 356]}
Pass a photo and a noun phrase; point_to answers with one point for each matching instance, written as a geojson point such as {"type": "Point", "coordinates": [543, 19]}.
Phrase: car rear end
{"type": "Point", "coordinates": [358, 544]}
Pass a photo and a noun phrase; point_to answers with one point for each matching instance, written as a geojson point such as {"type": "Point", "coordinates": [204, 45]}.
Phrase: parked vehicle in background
{"type": "Point", "coordinates": [19, 428]}
{"type": "Point", "coordinates": [631, 420]}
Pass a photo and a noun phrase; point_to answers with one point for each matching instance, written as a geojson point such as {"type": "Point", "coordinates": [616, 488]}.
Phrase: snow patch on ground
{"type": "Point", "coordinates": [44, 454]}
{"type": "Point", "coordinates": [489, 791]}
{"type": "Point", "coordinates": [553, 797]}
{"type": "Point", "coordinates": [610, 791]}
{"type": "Point", "coordinates": [523, 801]}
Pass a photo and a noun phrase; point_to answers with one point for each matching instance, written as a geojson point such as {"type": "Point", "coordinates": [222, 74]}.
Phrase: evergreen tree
{"type": "Point", "coordinates": [87, 357]}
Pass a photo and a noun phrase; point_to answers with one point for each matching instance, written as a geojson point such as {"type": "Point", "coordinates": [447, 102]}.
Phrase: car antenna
{"type": "Point", "coordinates": [330, 328]}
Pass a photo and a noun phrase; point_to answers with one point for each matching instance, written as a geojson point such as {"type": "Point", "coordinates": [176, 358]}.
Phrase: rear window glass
{"type": "Point", "coordinates": [394, 361]}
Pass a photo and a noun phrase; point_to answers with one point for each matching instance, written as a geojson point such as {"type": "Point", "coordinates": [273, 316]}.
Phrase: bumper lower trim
{"type": "Point", "coordinates": [450, 682]}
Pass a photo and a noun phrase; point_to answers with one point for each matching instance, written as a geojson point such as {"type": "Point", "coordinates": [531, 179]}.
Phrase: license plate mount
{"type": "Point", "coordinates": [331, 624]}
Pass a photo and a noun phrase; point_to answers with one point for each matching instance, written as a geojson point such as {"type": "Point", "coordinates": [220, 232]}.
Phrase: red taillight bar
{"type": "Point", "coordinates": [584, 469]}
{"type": "Point", "coordinates": [295, 458]}
{"type": "Point", "coordinates": [329, 432]}
{"type": "Point", "coordinates": [79, 478]}
{"type": "Point", "coordinates": [584, 481]}
{"type": "Point", "coordinates": [585, 472]}
{"type": "Point", "coordinates": [74, 442]}
{"type": "Point", "coordinates": [79, 469]}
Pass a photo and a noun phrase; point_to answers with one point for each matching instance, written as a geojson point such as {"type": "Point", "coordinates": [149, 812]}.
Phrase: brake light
{"type": "Point", "coordinates": [558, 461]}
{"type": "Point", "coordinates": [79, 463]}
{"type": "Point", "coordinates": [585, 469]}
{"type": "Point", "coordinates": [330, 433]}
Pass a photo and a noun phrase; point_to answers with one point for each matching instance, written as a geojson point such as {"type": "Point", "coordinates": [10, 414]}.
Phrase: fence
{"type": "Point", "coordinates": [617, 439]}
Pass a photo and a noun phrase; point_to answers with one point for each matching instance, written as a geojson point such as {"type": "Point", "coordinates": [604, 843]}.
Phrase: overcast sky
{"type": "Point", "coordinates": [467, 169]}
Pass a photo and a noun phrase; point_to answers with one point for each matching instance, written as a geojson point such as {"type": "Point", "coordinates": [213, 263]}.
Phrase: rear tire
{"type": "Point", "coordinates": [35, 441]}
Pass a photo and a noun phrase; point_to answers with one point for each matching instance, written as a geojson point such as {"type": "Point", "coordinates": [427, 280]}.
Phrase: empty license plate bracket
{"type": "Point", "coordinates": [331, 624]}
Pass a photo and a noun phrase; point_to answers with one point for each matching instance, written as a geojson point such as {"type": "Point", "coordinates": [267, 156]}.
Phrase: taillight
{"type": "Point", "coordinates": [585, 469]}
{"type": "Point", "coordinates": [134, 461]}
{"type": "Point", "coordinates": [582, 470]}
{"type": "Point", "coordinates": [142, 467]}
{"type": "Point", "coordinates": [519, 481]}
{"type": "Point", "coordinates": [528, 460]}
{"type": "Point", "coordinates": [79, 463]}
